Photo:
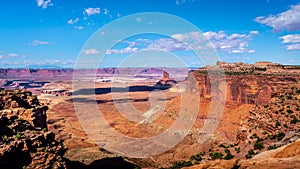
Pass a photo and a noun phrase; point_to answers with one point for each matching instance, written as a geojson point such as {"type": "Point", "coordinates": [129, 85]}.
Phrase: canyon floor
{"type": "Point", "coordinates": [245, 129]}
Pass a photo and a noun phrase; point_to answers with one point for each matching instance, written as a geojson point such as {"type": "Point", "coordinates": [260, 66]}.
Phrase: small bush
{"type": "Point", "coordinates": [258, 145]}
{"type": "Point", "coordinates": [181, 164]}
{"type": "Point", "coordinates": [197, 157]}
{"type": "Point", "coordinates": [228, 154]}
{"type": "Point", "coordinates": [254, 136]}
{"type": "Point", "coordinates": [294, 121]}
{"type": "Point", "coordinates": [280, 136]}
{"type": "Point", "coordinates": [18, 136]}
{"type": "Point", "coordinates": [216, 155]}
{"type": "Point", "coordinates": [238, 149]}
{"type": "Point", "coordinates": [272, 147]}
{"type": "Point", "coordinates": [250, 153]}
{"type": "Point", "coordinates": [277, 124]}
{"type": "Point", "coordinates": [222, 145]}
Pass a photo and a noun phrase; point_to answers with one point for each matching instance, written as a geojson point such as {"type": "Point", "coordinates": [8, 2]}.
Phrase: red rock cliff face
{"type": "Point", "coordinates": [240, 89]}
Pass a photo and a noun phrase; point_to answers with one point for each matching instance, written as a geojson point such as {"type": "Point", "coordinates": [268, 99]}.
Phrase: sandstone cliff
{"type": "Point", "coordinates": [24, 139]}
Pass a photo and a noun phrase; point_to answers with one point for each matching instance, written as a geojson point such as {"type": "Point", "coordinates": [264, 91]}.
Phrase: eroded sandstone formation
{"type": "Point", "coordinates": [243, 89]}
{"type": "Point", "coordinates": [24, 139]}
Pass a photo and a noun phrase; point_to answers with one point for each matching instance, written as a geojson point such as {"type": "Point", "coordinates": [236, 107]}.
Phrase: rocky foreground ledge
{"type": "Point", "coordinates": [24, 138]}
{"type": "Point", "coordinates": [26, 143]}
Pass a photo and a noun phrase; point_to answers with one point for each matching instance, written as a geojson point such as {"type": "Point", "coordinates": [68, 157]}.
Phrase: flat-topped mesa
{"type": "Point", "coordinates": [166, 82]}
{"type": "Point", "coordinates": [243, 84]}
{"type": "Point", "coordinates": [264, 67]}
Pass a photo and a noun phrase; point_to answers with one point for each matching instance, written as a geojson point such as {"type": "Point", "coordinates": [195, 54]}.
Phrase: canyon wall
{"type": "Point", "coordinates": [241, 89]}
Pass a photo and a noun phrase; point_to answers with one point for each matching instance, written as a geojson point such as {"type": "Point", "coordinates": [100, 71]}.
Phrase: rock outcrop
{"type": "Point", "coordinates": [243, 89]}
{"type": "Point", "coordinates": [24, 105]}
{"type": "Point", "coordinates": [24, 139]}
{"type": "Point", "coordinates": [166, 82]}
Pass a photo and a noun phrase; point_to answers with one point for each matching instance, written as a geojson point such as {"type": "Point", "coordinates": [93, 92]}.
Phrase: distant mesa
{"type": "Point", "coordinates": [263, 67]}
{"type": "Point", "coordinates": [166, 82]}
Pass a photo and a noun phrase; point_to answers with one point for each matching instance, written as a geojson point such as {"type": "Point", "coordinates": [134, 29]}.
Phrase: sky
{"type": "Point", "coordinates": [58, 32]}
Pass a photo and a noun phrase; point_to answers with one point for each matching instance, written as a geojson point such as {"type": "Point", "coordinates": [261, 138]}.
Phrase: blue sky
{"type": "Point", "coordinates": [53, 32]}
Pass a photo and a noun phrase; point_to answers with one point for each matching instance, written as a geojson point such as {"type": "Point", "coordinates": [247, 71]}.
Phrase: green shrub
{"type": "Point", "coordinates": [222, 145]}
{"type": "Point", "coordinates": [289, 111]}
{"type": "Point", "coordinates": [238, 149]}
{"type": "Point", "coordinates": [254, 136]}
{"type": "Point", "coordinates": [228, 154]}
{"type": "Point", "coordinates": [272, 147]}
{"type": "Point", "coordinates": [258, 145]}
{"type": "Point", "coordinates": [294, 121]}
{"type": "Point", "coordinates": [197, 157]}
{"type": "Point", "coordinates": [18, 136]}
{"type": "Point", "coordinates": [216, 155]}
{"type": "Point", "coordinates": [181, 164]}
{"type": "Point", "coordinates": [280, 136]}
{"type": "Point", "coordinates": [277, 124]}
{"type": "Point", "coordinates": [250, 153]}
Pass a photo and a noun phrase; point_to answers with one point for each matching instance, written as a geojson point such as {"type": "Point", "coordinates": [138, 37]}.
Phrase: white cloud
{"type": "Point", "coordinates": [212, 35]}
{"type": "Point", "coordinates": [13, 55]}
{"type": "Point", "coordinates": [37, 42]}
{"type": "Point", "coordinates": [291, 38]}
{"type": "Point", "coordinates": [71, 21]}
{"type": "Point", "coordinates": [166, 44]}
{"type": "Point", "coordinates": [78, 27]}
{"type": "Point", "coordinates": [139, 19]}
{"type": "Point", "coordinates": [234, 43]}
{"type": "Point", "coordinates": [122, 51]}
{"type": "Point", "coordinates": [293, 46]}
{"type": "Point", "coordinates": [180, 2]}
{"type": "Point", "coordinates": [91, 52]}
{"type": "Point", "coordinates": [106, 11]}
{"type": "Point", "coordinates": [92, 11]}
{"type": "Point", "coordinates": [254, 32]}
{"type": "Point", "coordinates": [251, 51]}
{"type": "Point", "coordinates": [288, 20]}
{"type": "Point", "coordinates": [44, 3]}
